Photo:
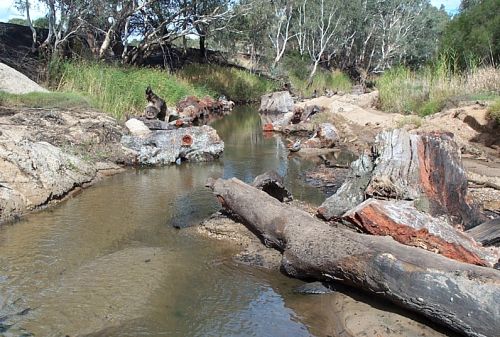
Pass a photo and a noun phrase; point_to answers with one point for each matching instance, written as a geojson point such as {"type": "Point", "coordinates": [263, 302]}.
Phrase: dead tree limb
{"type": "Point", "coordinates": [460, 296]}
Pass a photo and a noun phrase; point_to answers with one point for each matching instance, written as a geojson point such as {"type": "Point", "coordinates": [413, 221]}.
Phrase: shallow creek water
{"type": "Point", "coordinates": [109, 262]}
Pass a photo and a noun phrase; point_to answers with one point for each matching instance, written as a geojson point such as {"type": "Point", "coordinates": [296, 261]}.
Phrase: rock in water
{"type": "Point", "coordinates": [325, 137]}
{"type": "Point", "coordinates": [33, 174]}
{"type": "Point", "coordinates": [163, 147]}
{"type": "Point", "coordinates": [314, 288]}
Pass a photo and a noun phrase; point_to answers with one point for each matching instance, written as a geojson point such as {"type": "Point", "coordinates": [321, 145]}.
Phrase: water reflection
{"type": "Point", "coordinates": [109, 262]}
{"type": "Point", "coordinates": [248, 152]}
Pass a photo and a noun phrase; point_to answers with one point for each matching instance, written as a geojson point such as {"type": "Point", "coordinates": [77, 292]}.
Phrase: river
{"type": "Point", "coordinates": [111, 261]}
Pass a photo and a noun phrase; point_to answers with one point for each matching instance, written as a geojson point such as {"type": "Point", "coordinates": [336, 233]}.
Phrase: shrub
{"type": "Point", "coordinates": [236, 84]}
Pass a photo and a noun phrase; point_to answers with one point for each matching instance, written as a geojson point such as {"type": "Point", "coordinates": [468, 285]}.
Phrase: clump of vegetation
{"type": "Point", "coordinates": [494, 112]}
{"type": "Point", "coordinates": [120, 90]}
{"type": "Point", "coordinates": [63, 100]}
{"type": "Point", "coordinates": [427, 91]}
{"type": "Point", "coordinates": [409, 120]}
{"type": "Point", "coordinates": [236, 84]}
{"type": "Point", "coordinates": [297, 70]}
{"type": "Point", "coordinates": [476, 31]}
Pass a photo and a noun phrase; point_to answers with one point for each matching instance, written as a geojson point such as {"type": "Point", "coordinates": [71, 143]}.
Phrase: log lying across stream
{"type": "Point", "coordinates": [461, 296]}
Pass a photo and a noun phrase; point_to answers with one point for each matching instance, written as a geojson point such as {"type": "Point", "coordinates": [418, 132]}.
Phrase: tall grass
{"type": "Point", "coordinates": [427, 91]}
{"type": "Point", "coordinates": [118, 90]}
{"type": "Point", "coordinates": [236, 84]}
{"type": "Point", "coordinates": [297, 70]}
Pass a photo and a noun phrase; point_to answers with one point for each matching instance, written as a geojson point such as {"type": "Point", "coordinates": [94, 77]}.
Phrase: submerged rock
{"type": "Point", "coordinates": [163, 147]}
{"type": "Point", "coordinates": [314, 288]}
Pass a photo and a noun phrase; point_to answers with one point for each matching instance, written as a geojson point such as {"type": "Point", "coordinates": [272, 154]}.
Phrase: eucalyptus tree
{"type": "Point", "coordinates": [24, 5]}
{"type": "Point", "coordinates": [280, 32]}
{"type": "Point", "coordinates": [66, 18]}
{"type": "Point", "coordinates": [322, 32]}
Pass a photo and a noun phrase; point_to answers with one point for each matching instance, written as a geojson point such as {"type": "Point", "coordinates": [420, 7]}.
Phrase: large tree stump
{"type": "Point", "coordinates": [426, 168]}
{"type": "Point", "coordinates": [460, 296]}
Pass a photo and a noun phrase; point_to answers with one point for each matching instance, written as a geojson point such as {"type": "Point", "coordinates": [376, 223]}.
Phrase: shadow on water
{"type": "Point", "coordinates": [110, 262]}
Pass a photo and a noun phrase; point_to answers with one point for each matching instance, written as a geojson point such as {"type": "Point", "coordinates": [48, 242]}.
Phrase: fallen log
{"type": "Point", "coordinates": [460, 296]}
{"type": "Point", "coordinates": [488, 233]}
{"type": "Point", "coordinates": [163, 147]}
{"type": "Point", "coordinates": [272, 183]}
{"type": "Point", "coordinates": [406, 224]}
{"type": "Point", "coordinates": [426, 168]}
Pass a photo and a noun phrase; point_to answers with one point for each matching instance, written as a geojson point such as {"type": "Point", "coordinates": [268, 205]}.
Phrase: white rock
{"type": "Point", "coordinates": [137, 128]}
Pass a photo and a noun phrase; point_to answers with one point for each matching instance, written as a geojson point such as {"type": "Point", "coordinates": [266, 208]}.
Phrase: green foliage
{"type": "Point", "coordinates": [494, 111]}
{"type": "Point", "coordinates": [236, 84]}
{"type": "Point", "coordinates": [19, 21]}
{"type": "Point", "coordinates": [42, 22]}
{"type": "Point", "coordinates": [297, 70]}
{"type": "Point", "coordinates": [63, 100]}
{"type": "Point", "coordinates": [118, 90]}
{"type": "Point", "coordinates": [475, 33]}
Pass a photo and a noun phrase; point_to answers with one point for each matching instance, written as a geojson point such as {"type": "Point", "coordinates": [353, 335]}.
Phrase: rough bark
{"type": "Point", "coordinates": [426, 168]}
{"type": "Point", "coordinates": [272, 183]}
{"type": "Point", "coordinates": [406, 224]}
{"type": "Point", "coordinates": [460, 296]}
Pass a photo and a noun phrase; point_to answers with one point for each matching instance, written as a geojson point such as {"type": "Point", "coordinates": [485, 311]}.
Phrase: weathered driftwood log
{"type": "Point", "coordinates": [488, 233]}
{"type": "Point", "coordinates": [272, 183]}
{"type": "Point", "coordinates": [460, 296]}
{"type": "Point", "coordinates": [426, 168]}
{"type": "Point", "coordinates": [406, 224]}
{"type": "Point", "coordinates": [200, 109]}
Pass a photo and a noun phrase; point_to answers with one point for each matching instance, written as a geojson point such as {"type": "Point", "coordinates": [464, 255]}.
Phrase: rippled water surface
{"type": "Point", "coordinates": [109, 261]}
